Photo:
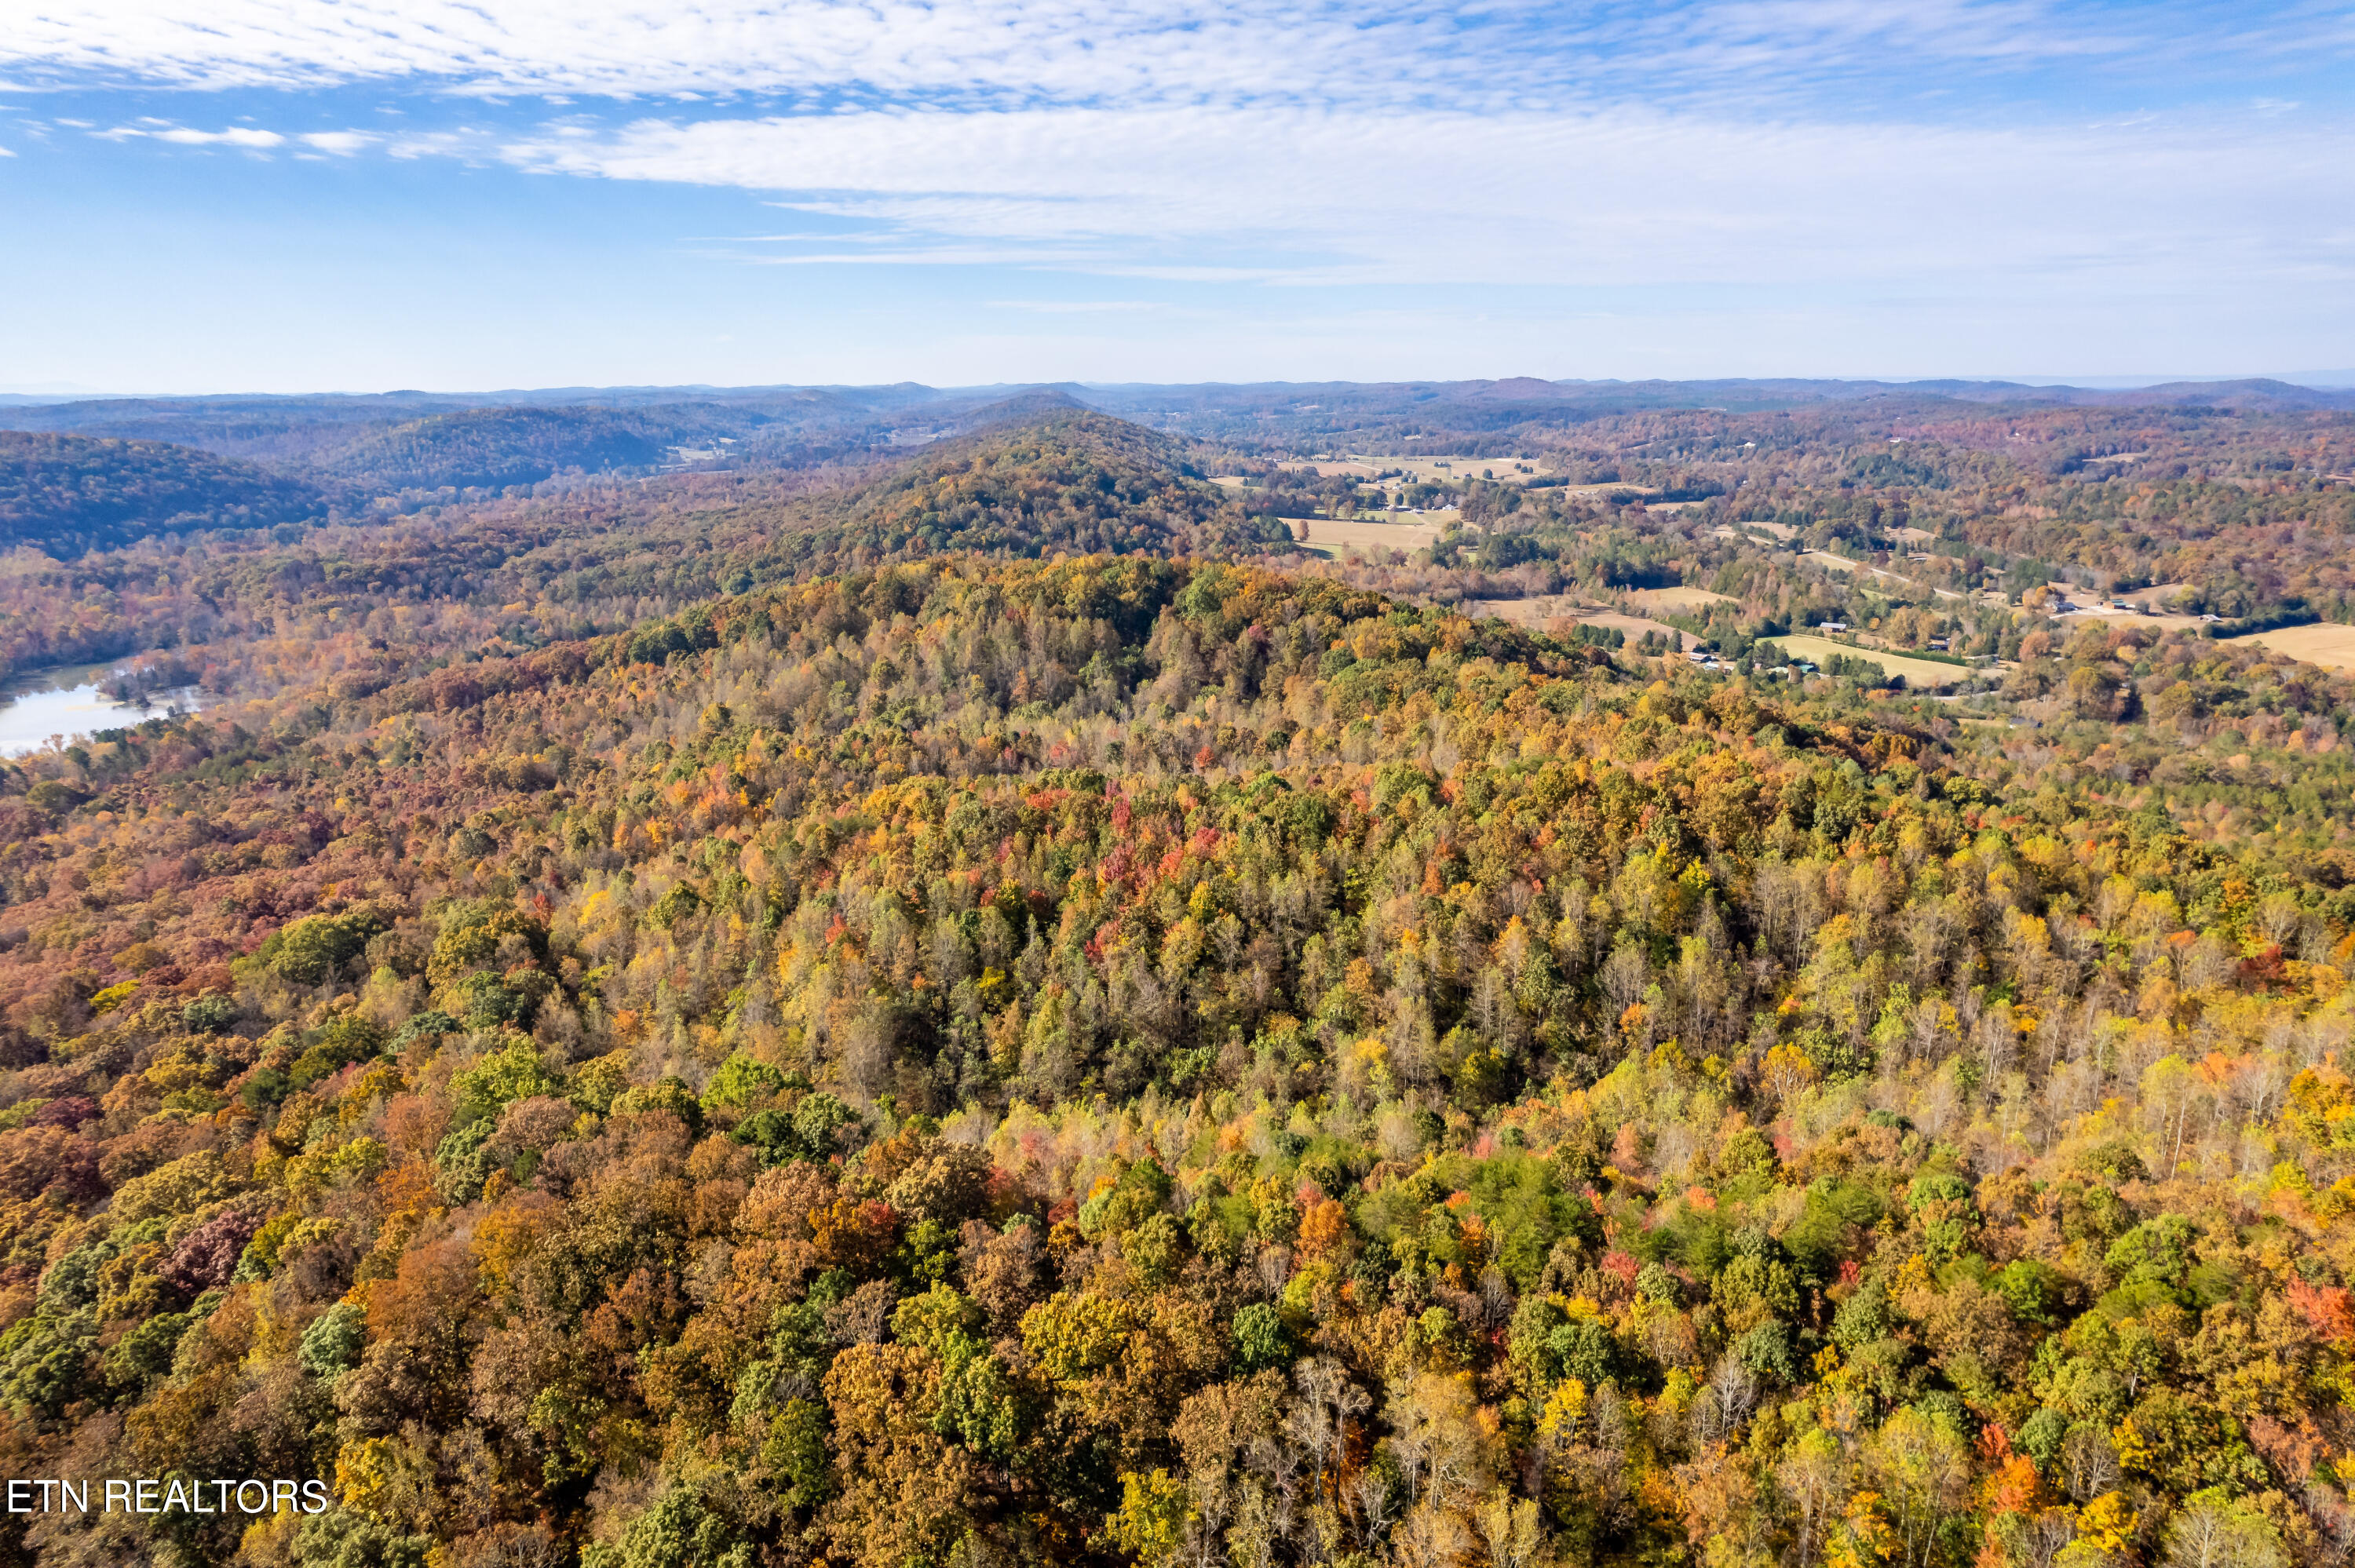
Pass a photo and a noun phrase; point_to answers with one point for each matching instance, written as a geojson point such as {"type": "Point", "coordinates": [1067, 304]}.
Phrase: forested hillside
{"type": "Point", "coordinates": [494, 447]}
{"type": "Point", "coordinates": [368, 600]}
{"type": "Point", "coordinates": [412, 448]}
{"type": "Point", "coordinates": [1130, 1060]}
{"type": "Point", "coordinates": [65, 494]}
{"type": "Point", "coordinates": [275, 431]}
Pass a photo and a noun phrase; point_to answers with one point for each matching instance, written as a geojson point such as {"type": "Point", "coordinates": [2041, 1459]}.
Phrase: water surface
{"type": "Point", "coordinates": [37, 705]}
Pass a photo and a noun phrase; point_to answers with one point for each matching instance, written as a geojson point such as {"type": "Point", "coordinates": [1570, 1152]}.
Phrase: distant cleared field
{"type": "Point", "coordinates": [1677, 599]}
{"type": "Point", "coordinates": [1440, 469]}
{"type": "Point", "coordinates": [1333, 536]}
{"type": "Point", "coordinates": [2132, 617]}
{"type": "Point", "coordinates": [1547, 608]}
{"type": "Point", "coordinates": [2330, 645]}
{"type": "Point", "coordinates": [1831, 562]}
{"type": "Point", "coordinates": [1917, 671]}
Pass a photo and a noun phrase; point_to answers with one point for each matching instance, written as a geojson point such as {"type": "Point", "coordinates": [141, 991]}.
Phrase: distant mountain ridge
{"type": "Point", "coordinates": [137, 417]}
{"type": "Point", "coordinates": [404, 440]}
{"type": "Point", "coordinates": [1746, 393]}
{"type": "Point", "coordinates": [149, 464]}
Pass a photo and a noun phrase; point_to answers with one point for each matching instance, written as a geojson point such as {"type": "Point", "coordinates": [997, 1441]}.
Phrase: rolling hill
{"type": "Point", "coordinates": [67, 495]}
{"type": "Point", "coordinates": [494, 447]}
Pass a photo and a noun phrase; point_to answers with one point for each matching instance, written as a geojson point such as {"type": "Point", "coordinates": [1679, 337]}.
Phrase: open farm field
{"type": "Point", "coordinates": [1847, 567]}
{"type": "Point", "coordinates": [1676, 598]}
{"type": "Point", "coordinates": [1509, 471]}
{"type": "Point", "coordinates": [2330, 645]}
{"type": "Point", "coordinates": [1917, 671]}
{"type": "Point", "coordinates": [1634, 626]}
{"type": "Point", "coordinates": [2160, 622]}
{"type": "Point", "coordinates": [1544, 609]}
{"type": "Point", "coordinates": [1334, 536]}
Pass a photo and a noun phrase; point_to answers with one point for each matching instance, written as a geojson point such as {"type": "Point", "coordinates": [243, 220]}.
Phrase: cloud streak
{"type": "Point", "coordinates": [236, 136]}
{"type": "Point", "coordinates": [1006, 53]}
{"type": "Point", "coordinates": [1740, 167]}
{"type": "Point", "coordinates": [249, 138]}
{"type": "Point", "coordinates": [1611, 198]}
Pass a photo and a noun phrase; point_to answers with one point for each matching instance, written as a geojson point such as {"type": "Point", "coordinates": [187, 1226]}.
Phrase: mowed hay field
{"type": "Point", "coordinates": [1334, 535]}
{"type": "Point", "coordinates": [1831, 562]}
{"type": "Point", "coordinates": [1676, 598]}
{"type": "Point", "coordinates": [2131, 618]}
{"type": "Point", "coordinates": [1547, 608]}
{"type": "Point", "coordinates": [2330, 645]}
{"type": "Point", "coordinates": [1442, 469]}
{"type": "Point", "coordinates": [1917, 671]}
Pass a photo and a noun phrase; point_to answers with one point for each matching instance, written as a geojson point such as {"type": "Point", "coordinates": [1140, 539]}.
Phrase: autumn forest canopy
{"type": "Point", "coordinates": [877, 979]}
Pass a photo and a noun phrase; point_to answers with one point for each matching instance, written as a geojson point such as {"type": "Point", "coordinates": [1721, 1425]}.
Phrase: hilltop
{"type": "Point", "coordinates": [67, 495]}
{"type": "Point", "coordinates": [494, 447]}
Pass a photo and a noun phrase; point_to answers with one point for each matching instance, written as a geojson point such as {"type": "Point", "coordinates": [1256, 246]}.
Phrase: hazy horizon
{"type": "Point", "coordinates": [2322, 380]}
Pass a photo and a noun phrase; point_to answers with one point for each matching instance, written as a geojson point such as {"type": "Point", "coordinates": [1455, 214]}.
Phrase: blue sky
{"type": "Point", "coordinates": [292, 195]}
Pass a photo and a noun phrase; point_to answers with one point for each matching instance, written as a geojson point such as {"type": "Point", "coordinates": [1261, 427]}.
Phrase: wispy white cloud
{"type": "Point", "coordinates": [1104, 52]}
{"type": "Point", "coordinates": [1751, 165]}
{"type": "Point", "coordinates": [1619, 197]}
{"type": "Point", "coordinates": [1060, 48]}
{"type": "Point", "coordinates": [235, 136]}
{"type": "Point", "coordinates": [251, 138]}
{"type": "Point", "coordinates": [1078, 307]}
